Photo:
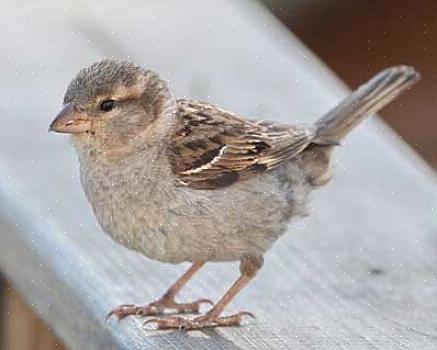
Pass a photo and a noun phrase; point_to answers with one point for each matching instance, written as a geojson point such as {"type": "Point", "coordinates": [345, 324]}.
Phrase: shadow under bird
{"type": "Point", "coordinates": [181, 180]}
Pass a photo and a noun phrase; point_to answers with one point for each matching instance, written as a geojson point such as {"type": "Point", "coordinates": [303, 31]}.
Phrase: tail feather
{"type": "Point", "coordinates": [368, 99]}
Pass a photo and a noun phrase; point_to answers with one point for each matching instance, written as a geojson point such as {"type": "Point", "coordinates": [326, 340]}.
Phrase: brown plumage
{"type": "Point", "coordinates": [214, 148]}
{"type": "Point", "coordinates": [182, 180]}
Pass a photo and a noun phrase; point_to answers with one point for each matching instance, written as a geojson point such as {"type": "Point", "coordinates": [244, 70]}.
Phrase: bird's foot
{"type": "Point", "coordinates": [206, 321]}
{"type": "Point", "coordinates": [156, 308]}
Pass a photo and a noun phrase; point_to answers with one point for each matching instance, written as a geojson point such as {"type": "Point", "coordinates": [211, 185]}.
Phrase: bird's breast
{"type": "Point", "coordinates": [130, 201]}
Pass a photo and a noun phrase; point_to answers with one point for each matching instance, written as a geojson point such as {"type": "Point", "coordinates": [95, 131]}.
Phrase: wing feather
{"type": "Point", "coordinates": [214, 148]}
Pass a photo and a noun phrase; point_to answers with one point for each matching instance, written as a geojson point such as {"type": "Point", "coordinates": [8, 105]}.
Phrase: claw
{"type": "Point", "coordinates": [152, 320]}
{"type": "Point", "coordinates": [120, 312]}
{"type": "Point", "coordinates": [247, 313]}
{"type": "Point", "coordinates": [205, 301]}
{"type": "Point", "coordinates": [109, 315]}
{"type": "Point", "coordinates": [167, 323]}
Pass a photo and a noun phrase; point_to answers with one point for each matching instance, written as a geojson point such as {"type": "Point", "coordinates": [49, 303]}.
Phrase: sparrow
{"type": "Point", "coordinates": [181, 180]}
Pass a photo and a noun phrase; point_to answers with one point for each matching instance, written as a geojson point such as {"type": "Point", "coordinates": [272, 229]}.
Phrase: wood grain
{"type": "Point", "coordinates": [357, 274]}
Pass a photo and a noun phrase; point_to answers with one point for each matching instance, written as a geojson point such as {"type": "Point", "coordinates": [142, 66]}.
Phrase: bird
{"type": "Point", "coordinates": [181, 180]}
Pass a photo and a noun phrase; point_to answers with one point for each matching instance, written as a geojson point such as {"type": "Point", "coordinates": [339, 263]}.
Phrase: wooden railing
{"type": "Point", "coordinates": [358, 273]}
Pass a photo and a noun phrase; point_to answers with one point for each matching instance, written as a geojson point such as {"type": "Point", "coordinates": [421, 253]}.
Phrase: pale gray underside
{"type": "Point", "coordinates": [358, 274]}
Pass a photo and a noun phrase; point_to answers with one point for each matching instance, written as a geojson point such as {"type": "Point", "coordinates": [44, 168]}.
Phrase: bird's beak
{"type": "Point", "coordinates": [72, 119]}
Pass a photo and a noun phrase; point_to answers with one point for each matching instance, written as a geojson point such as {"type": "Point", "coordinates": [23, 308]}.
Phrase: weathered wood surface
{"type": "Point", "coordinates": [358, 274]}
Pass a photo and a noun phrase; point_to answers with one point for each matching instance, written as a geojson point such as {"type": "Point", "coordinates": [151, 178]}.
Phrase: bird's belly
{"type": "Point", "coordinates": [177, 224]}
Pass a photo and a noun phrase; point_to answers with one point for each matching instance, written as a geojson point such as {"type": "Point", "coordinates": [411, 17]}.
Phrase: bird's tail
{"type": "Point", "coordinates": [368, 99]}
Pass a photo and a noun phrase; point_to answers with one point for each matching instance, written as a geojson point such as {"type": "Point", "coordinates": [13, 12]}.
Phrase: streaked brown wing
{"type": "Point", "coordinates": [213, 148]}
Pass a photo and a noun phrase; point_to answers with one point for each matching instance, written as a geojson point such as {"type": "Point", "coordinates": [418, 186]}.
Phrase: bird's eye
{"type": "Point", "coordinates": [107, 105]}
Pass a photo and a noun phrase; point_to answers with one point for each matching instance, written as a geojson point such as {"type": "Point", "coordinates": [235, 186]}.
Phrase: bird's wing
{"type": "Point", "coordinates": [213, 148]}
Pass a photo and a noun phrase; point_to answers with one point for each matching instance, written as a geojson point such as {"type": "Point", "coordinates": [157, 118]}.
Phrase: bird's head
{"type": "Point", "coordinates": [111, 103]}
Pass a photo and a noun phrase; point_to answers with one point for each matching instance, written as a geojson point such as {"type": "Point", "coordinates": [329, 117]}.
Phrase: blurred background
{"type": "Point", "coordinates": [358, 38]}
{"type": "Point", "coordinates": [355, 39]}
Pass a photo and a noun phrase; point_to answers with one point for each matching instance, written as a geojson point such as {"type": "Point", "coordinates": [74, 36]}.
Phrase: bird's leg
{"type": "Point", "coordinates": [249, 267]}
{"type": "Point", "coordinates": [167, 301]}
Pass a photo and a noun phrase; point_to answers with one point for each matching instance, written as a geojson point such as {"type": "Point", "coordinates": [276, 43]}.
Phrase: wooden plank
{"type": "Point", "coordinates": [359, 273]}
{"type": "Point", "coordinates": [19, 325]}
{"type": "Point", "coordinates": [2, 307]}
{"type": "Point", "coordinates": [21, 329]}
